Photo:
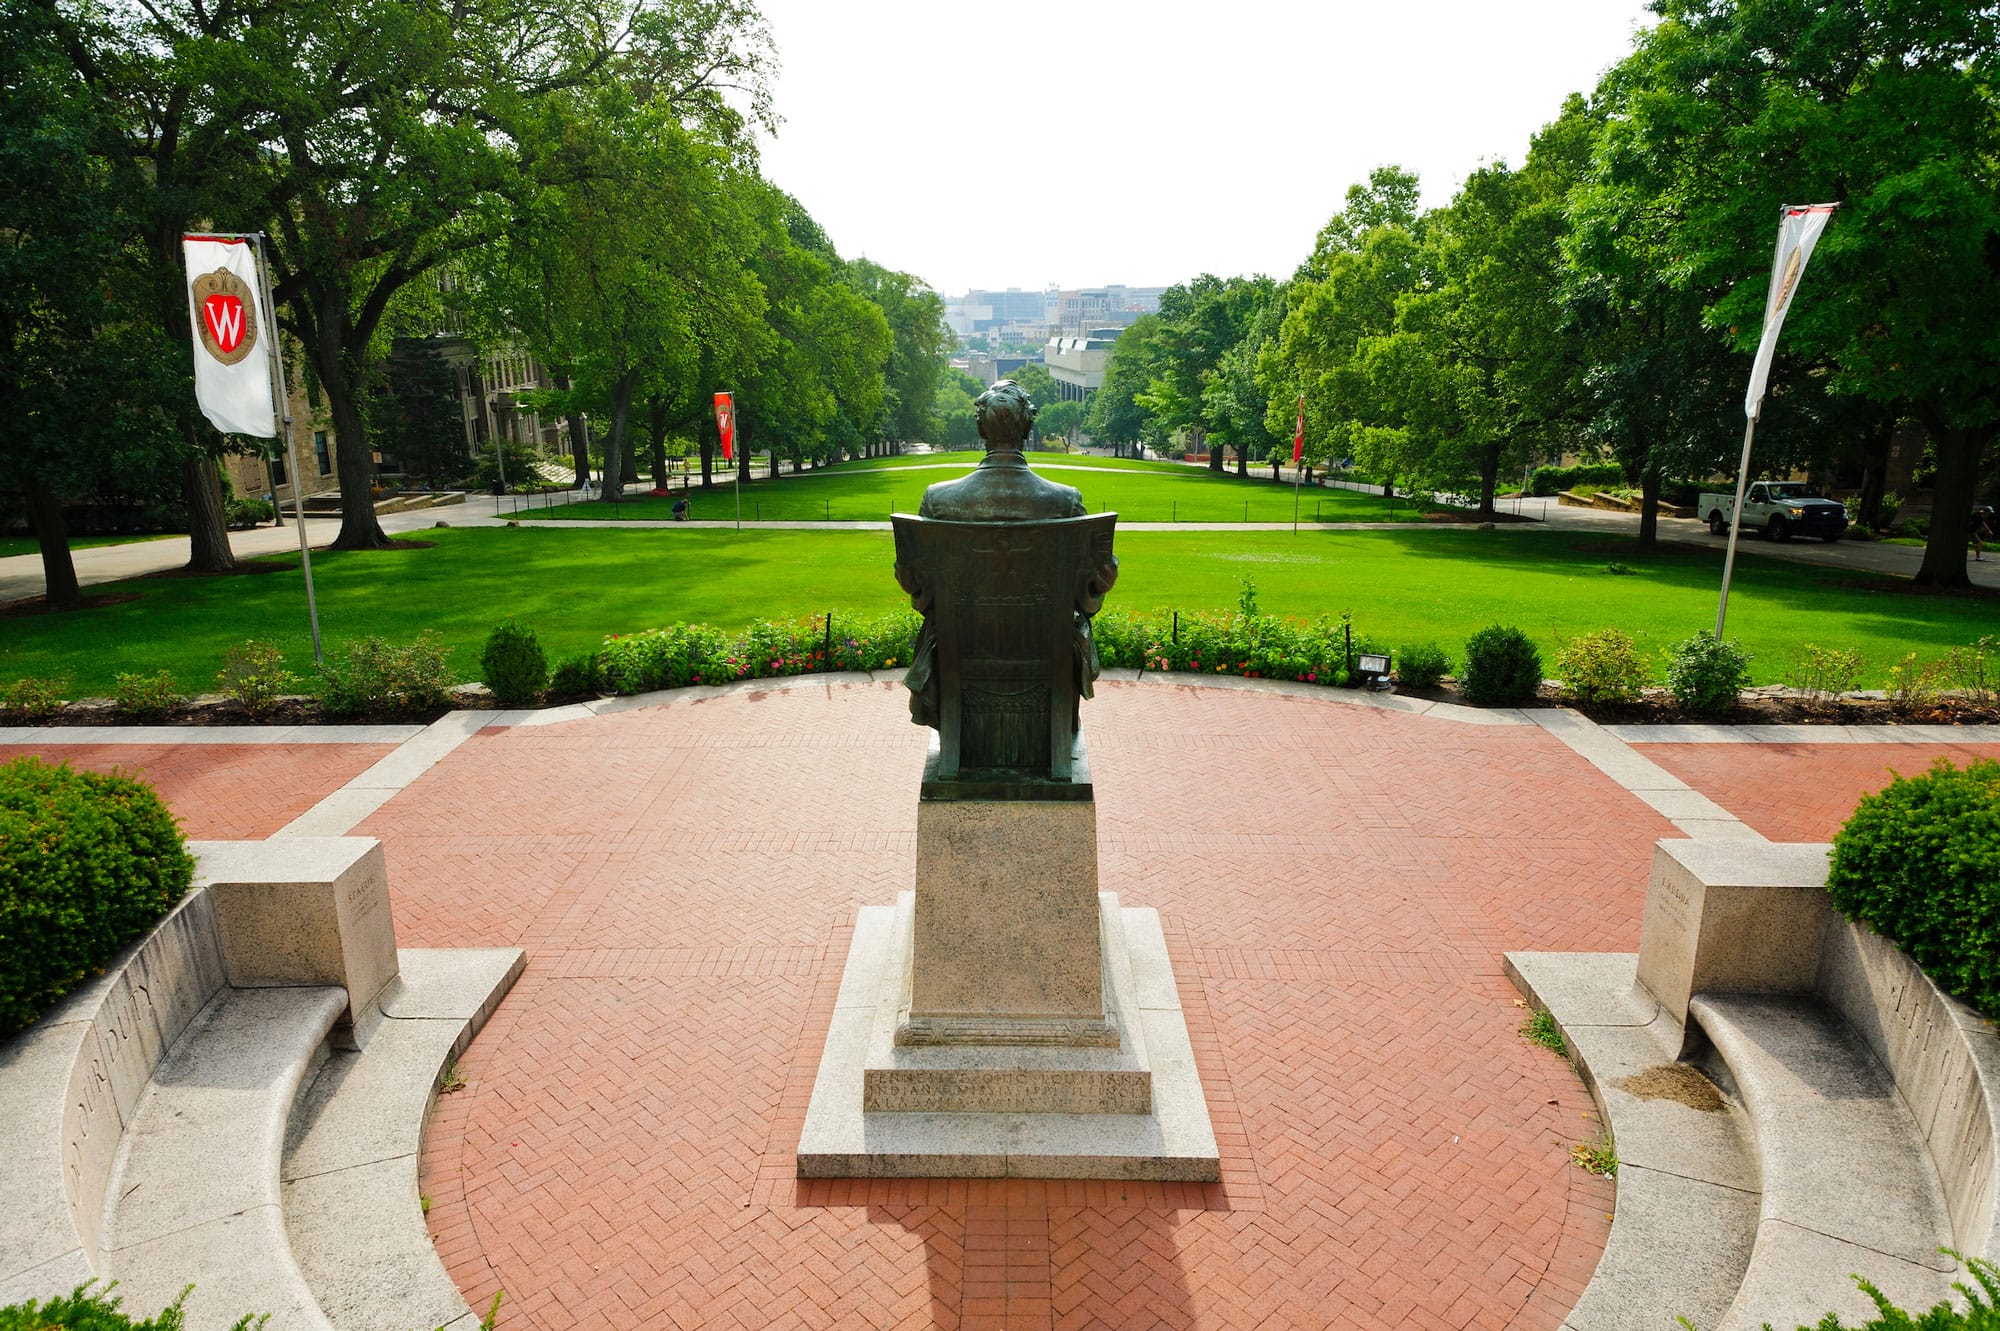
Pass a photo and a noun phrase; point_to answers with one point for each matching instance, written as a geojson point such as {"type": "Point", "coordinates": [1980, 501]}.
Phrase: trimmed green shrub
{"type": "Point", "coordinates": [578, 677]}
{"type": "Point", "coordinates": [1502, 668]}
{"type": "Point", "coordinates": [254, 675]}
{"type": "Point", "coordinates": [1706, 675]}
{"type": "Point", "coordinates": [148, 697]}
{"type": "Point", "coordinates": [668, 658]}
{"type": "Point", "coordinates": [1822, 674]}
{"type": "Point", "coordinates": [1217, 643]}
{"type": "Point", "coordinates": [88, 862]}
{"type": "Point", "coordinates": [249, 512]}
{"type": "Point", "coordinates": [1421, 665]}
{"type": "Point", "coordinates": [375, 675]}
{"type": "Point", "coordinates": [33, 700]}
{"type": "Point", "coordinates": [1545, 481]}
{"type": "Point", "coordinates": [513, 664]}
{"type": "Point", "coordinates": [1919, 863]}
{"type": "Point", "coordinates": [1601, 667]}
{"type": "Point", "coordinates": [87, 1309]}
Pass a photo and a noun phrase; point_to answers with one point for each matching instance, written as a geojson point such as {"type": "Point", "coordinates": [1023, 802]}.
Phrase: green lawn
{"type": "Point", "coordinates": [1136, 491]}
{"type": "Point", "coordinates": [26, 545]}
{"type": "Point", "coordinates": [574, 586]}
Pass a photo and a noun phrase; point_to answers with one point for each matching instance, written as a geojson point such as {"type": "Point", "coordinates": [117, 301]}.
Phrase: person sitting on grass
{"type": "Point", "coordinates": [681, 509]}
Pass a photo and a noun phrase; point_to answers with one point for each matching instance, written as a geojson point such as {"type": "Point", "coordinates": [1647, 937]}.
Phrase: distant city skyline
{"type": "Point", "coordinates": [1084, 142]}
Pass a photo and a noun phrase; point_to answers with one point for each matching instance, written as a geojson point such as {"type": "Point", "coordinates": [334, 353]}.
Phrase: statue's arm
{"type": "Point", "coordinates": [1096, 584]}
{"type": "Point", "coordinates": [914, 581]}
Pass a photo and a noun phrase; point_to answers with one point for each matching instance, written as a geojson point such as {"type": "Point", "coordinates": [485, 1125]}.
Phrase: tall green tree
{"type": "Point", "coordinates": [1728, 108]}
{"type": "Point", "coordinates": [87, 379]}
{"type": "Point", "coordinates": [920, 349]}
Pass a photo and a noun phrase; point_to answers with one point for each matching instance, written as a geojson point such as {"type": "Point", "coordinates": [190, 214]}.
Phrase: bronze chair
{"type": "Point", "coordinates": [1004, 613]}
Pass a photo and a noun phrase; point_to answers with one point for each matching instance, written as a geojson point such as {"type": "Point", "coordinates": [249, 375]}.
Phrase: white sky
{"type": "Point", "coordinates": [1029, 142]}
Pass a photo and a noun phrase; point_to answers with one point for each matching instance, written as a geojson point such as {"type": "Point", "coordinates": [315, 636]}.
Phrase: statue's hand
{"type": "Point", "coordinates": [1095, 584]}
{"type": "Point", "coordinates": [913, 581]}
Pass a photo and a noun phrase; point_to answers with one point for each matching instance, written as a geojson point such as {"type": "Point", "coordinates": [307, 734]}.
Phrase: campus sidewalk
{"type": "Point", "coordinates": [1338, 876]}
{"type": "Point", "coordinates": [21, 575]}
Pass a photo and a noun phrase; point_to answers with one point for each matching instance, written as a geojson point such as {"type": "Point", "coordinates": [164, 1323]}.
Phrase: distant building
{"type": "Point", "coordinates": [1103, 307]}
{"type": "Point", "coordinates": [990, 370]}
{"type": "Point", "coordinates": [1077, 363]}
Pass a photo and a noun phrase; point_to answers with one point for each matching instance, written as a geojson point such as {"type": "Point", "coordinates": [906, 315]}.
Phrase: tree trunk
{"type": "Point", "coordinates": [208, 523]}
{"type": "Point", "coordinates": [1242, 462]}
{"type": "Point", "coordinates": [614, 446]}
{"type": "Point", "coordinates": [1874, 476]}
{"type": "Point", "coordinates": [1200, 441]}
{"type": "Point", "coordinates": [1958, 454]}
{"type": "Point", "coordinates": [658, 429]}
{"type": "Point", "coordinates": [355, 468]}
{"type": "Point", "coordinates": [1489, 479]}
{"type": "Point", "coordinates": [742, 453]}
{"type": "Point", "coordinates": [1276, 463]}
{"type": "Point", "coordinates": [774, 464]}
{"type": "Point", "coordinates": [59, 584]}
{"type": "Point", "coordinates": [1649, 510]}
{"type": "Point", "coordinates": [579, 434]}
{"type": "Point", "coordinates": [707, 462]}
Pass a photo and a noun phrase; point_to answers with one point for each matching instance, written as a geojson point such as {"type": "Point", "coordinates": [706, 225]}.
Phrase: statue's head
{"type": "Point", "coordinates": [1005, 414]}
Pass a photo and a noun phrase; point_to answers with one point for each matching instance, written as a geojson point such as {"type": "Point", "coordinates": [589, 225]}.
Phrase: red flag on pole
{"type": "Point", "coordinates": [725, 424]}
{"type": "Point", "coordinates": [1299, 435]}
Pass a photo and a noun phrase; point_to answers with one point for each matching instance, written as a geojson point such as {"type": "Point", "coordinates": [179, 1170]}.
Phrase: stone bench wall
{"type": "Point", "coordinates": [1732, 917]}
{"type": "Point", "coordinates": [1944, 1057]}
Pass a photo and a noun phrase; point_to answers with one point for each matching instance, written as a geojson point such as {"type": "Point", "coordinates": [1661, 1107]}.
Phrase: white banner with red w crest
{"type": "Point", "coordinates": [232, 363]}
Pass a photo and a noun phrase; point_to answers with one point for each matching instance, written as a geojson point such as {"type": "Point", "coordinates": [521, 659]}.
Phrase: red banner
{"type": "Point", "coordinates": [1299, 435]}
{"type": "Point", "coordinates": [725, 425]}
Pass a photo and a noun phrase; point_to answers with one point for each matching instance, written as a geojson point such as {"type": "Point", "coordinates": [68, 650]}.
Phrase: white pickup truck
{"type": "Point", "coordinates": [1779, 509]}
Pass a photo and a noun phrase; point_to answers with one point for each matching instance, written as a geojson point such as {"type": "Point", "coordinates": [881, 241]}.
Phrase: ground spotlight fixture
{"type": "Point", "coordinates": [1372, 669]}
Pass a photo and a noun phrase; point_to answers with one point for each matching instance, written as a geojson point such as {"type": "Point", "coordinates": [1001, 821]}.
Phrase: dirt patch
{"type": "Point", "coordinates": [1677, 1082]}
{"type": "Point", "coordinates": [36, 605]}
{"type": "Point", "coordinates": [1460, 517]}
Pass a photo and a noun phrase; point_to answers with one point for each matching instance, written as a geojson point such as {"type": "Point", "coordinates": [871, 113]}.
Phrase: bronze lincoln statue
{"type": "Point", "coordinates": [1007, 570]}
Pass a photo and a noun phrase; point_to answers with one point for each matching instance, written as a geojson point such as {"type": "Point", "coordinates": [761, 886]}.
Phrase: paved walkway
{"type": "Point", "coordinates": [1338, 876]}
{"type": "Point", "coordinates": [21, 575]}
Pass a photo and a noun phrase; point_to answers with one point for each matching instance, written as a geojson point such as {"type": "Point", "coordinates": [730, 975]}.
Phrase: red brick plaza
{"type": "Point", "coordinates": [1337, 884]}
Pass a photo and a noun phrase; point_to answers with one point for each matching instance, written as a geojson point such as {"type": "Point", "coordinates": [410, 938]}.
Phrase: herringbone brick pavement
{"type": "Point", "coordinates": [1801, 792]}
{"type": "Point", "coordinates": [1336, 885]}
{"type": "Point", "coordinates": [223, 792]}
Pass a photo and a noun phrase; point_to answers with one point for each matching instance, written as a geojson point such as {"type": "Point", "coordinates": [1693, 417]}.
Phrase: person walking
{"type": "Point", "coordinates": [1982, 530]}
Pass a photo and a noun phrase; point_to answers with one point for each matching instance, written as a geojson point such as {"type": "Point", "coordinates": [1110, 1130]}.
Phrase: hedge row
{"type": "Point", "coordinates": [1919, 863]}
{"type": "Point", "coordinates": [88, 863]}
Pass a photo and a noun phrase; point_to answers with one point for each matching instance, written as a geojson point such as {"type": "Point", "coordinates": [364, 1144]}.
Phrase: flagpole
{"type": "Point", "coordinates": [284, 404]}
{"type": "Point", "coordinates": [1736, 520]}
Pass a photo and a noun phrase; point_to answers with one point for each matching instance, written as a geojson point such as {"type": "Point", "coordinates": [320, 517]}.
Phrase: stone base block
{"type": "Point", "coordinates": [1172, 1141]}
{"type": "Point", "coordinates": [305, 911]}
{"type": "Point", "coordinates": [987, 1074]}
{"type": "Point", "coordinates": [1005, 929]}
{"type": "Point", "coordinates": [1731, 917]}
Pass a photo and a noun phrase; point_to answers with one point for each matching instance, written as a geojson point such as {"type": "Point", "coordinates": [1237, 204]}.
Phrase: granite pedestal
{"type": "Point", "coordinates": [1006, 1019]}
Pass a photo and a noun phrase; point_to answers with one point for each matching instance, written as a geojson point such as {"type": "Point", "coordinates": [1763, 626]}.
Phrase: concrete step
{"type": "Point", "coordinates": [1848, 1184]}
{"type": "Point", "coordinates": [1686, 1218]}
{"type": "Point", "coordinates": [351, 1198]}
{"type": "Point", "coordinates": [195, 1194]}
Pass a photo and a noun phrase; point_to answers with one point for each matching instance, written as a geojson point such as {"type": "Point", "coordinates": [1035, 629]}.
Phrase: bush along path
{"type": "Point", "coordinates": [1602, 674]}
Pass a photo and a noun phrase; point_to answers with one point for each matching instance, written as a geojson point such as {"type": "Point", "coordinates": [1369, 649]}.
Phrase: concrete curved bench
{"type": "Point", "coordinates": [1849, 1186]}
{"type": "Point", "coordinates": [1866, 1103]}
{"type": "Point", "coordinates": [1688, 1185]}
{"type": "Point", "coordinates": [194, 1193]}
{"type": "Point", "coordinates": [157, 1125]}
{"type": "Point", "coordinates": [350, 1165]}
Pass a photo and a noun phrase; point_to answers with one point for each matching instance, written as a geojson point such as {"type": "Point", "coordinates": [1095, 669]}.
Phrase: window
{"type": "Point", "coordinates": [319, 448]}
{"type": "Point", "coordinates": [277, 471]}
